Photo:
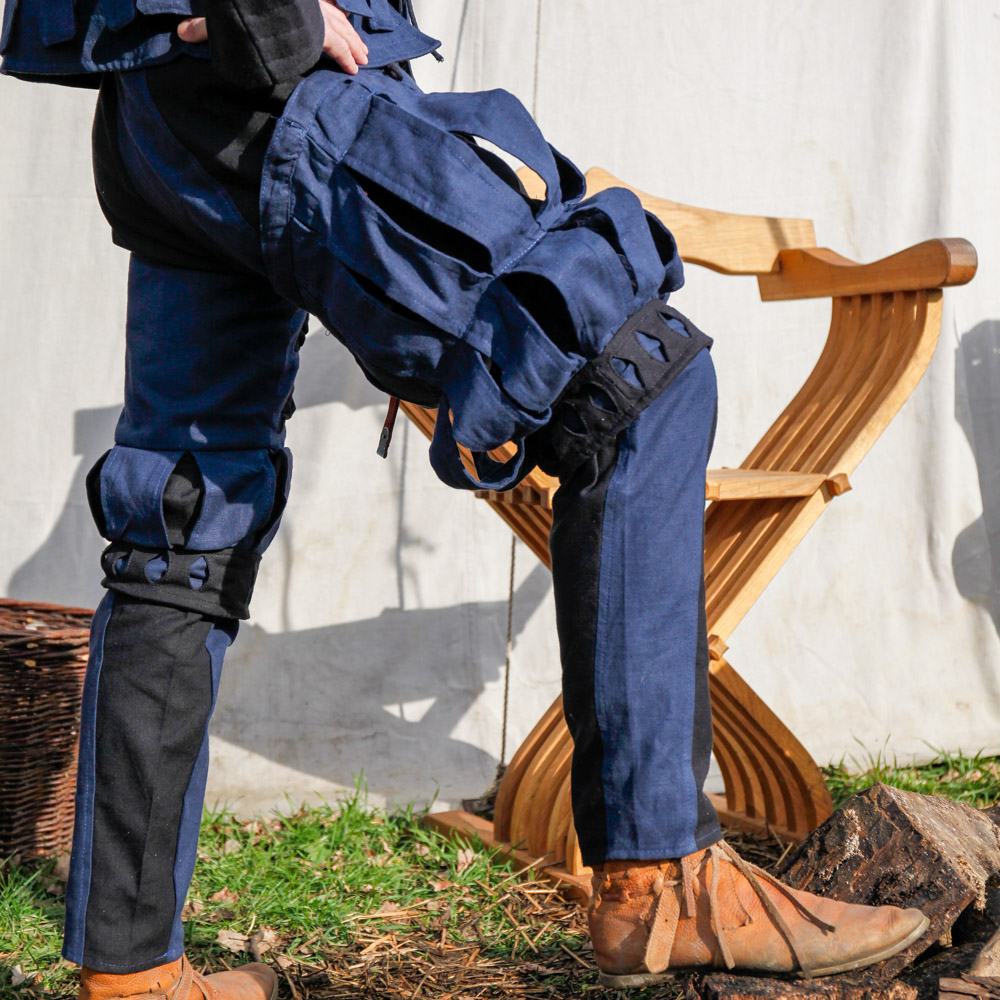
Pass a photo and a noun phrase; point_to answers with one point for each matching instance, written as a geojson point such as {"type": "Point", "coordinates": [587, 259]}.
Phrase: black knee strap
{"type": "Point", "coordinates": [600, 401]}
{"type": "Point", "coordinates": [217, 584]}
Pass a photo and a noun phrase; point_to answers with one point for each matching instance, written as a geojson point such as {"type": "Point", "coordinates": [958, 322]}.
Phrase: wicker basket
{"type": "Point", "coordinates": [43, 656]}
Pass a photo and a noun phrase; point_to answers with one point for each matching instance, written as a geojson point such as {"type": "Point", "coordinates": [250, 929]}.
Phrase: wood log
{"type": "Point", "coordinates": [721, 986]}
{"type": "Point", "coordinates": [886, 845]}
{"type": "Point", "coordinates": [979, 923]}
{"type": "Point", "coordinates": [968, 987]}
{"type": "Point", "coordinates": [925, 975]}
{"type": "Point", "coordinates": [987, 962]}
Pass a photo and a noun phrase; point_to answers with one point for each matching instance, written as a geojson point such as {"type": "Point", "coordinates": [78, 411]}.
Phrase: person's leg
{"type": "Point", "coordinates": [627, 570]}
{"type": "Point", "coordinates": [189, 497]}
{"type": "Point", "coordinates": [420, 249]}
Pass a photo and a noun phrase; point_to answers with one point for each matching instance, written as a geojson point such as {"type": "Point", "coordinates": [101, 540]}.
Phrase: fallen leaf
{"type": "Point", "coordinates": [388, 907]}
{"type": "Point", "coordinates": [262, 941]}
{"type": "Point", "coordinates": [224, 895]}
{"type": "Point", "coordinates": [232, 940]}
{"type": "Point", "coordinates": [439, 885]}
{"type": "Point", "coordinates": [54, 889]}
{"type": "Point", "coordinates": [224, 914]}
{"type": "Point", "coordinates": [466, 856]}
{"type": "Point", "coordinates": [192, 908]}
{"type": "Point", "coordinates": [231, 846]}
{"type": "Point", "coordinates": [61, 869]}
{"type": "Point", "coordinates": [367, 889]}
{"type": "Point", "coordinates": [421, 850]}
{"type": "Point", "coordinates": [17, 976]}
{"type": "Point", "coordinates": [541, 970]}
{"type": "Point", "coordinates": [283, 961]}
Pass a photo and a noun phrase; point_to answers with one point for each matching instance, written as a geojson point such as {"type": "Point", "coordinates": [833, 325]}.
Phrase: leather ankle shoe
{"type": "Point", "coordinates": [649, 919]}
{"type": "Point", "coordinates": [178, 981]}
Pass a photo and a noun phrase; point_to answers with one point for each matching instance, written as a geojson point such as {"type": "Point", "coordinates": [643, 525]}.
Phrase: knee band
{"type": "Point", "coordinates": [644, 356]}
{"type": "Point", "coordinates": [187, 529]}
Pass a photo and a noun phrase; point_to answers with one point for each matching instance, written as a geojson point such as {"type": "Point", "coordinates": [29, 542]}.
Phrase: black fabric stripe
{"type": "Point", "coordinates": [134, 224]}
{"type": "Point", "coordinates": [226, 128]}
{"type": "Point", "coordinates": [575, 544]}
{"type": "Point", "coordinates": [154, 700]}
{"type": "Point", "coordinates": [707, 828]}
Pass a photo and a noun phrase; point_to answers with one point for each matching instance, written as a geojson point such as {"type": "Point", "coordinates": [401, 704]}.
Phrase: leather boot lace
{"type": "Point", "coordinates": [666, 916]}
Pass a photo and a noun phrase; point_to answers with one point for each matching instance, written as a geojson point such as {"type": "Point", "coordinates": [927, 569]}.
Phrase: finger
{"type": "Point", "coordinates": [193, 30]}
{"type": "Point", "coordinates": [337, 47]}
{"type": "Point", "coordinates": [343, 26]}
{"type": "Point", "coordinates": [358, 48]}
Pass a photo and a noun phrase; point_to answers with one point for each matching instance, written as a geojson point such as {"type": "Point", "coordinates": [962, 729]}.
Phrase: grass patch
{"type": "Point", "coordinates": [344, 901]}
{"type": "Point", "coordinates": [347, 902]}
{"type": "Point", "coordinates": [973, 779]}
{"type": "Point", "coordinates": [31, 922]}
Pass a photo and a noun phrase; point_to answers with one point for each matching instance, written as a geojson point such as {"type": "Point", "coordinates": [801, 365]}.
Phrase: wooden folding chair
{"type": "Point", "coordinates": [884, 328]}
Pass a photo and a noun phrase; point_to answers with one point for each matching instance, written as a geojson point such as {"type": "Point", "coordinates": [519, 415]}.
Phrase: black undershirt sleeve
{"type": "Point", "coordinates": [261, 43]}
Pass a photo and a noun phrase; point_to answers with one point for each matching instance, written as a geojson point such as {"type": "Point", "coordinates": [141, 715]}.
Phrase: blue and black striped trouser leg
{"type": "Point", "coordinates": [189, 497]}
{"type": "Point", "coordinates": [628, 570]}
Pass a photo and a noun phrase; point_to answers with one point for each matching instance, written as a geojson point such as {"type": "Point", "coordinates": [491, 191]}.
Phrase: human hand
{"type": "Point", "coordinates": [340, 40]}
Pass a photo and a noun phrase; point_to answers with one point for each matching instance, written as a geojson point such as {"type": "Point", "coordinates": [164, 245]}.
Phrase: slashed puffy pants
{"type": "Point", "coordinates": [419, 249]}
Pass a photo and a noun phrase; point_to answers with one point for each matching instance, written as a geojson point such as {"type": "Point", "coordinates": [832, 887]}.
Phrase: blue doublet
{"type": "Point", "coordinates": [76, 40]}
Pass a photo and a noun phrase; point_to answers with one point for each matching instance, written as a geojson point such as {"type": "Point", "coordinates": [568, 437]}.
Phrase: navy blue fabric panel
{"type": "Point", "coordinates": [210, 363]}
{"type": "Point", "coordinates": [92, 49]}
{"type": "Point", "coordinates": [182, 8]}
{"type": "Point", "coordinates": [117, 13]}
{"type": "Point", "coordinates": [172, 180]}
{"type": "Point", "coordinates": [210, 360]}
{"type": "Point", "coordinates": [131, 484]}
{"type": "Point", "coordinates": [646, 673]}
{"type": "Point", "coordinates": [370, 184]}
{"type": "Point", "coordinates": [240, 492]}
{"type": "Point", "coordinates": [81, 856]}
{"type": "Point", "coordinates": [6, 23]}
{"type": "Point", "coordinates": [57, 22]}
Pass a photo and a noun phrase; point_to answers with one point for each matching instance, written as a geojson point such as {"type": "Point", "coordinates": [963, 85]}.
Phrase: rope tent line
{"type": "Point", "coordinates": [506, 660]}
{"type": "Point", "coordinates": [538, 46]}
{"type": "Point", "coordinates": [485, 803]}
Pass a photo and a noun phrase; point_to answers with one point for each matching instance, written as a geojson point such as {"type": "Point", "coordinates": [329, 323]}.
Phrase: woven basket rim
{"type": "Point", "coordinates": [10, 602]}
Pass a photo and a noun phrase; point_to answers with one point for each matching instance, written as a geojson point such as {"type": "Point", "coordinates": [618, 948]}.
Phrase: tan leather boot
{"type": "Point", "coordinates": [178, 981]}
{"type": "Point", "coordinates": [649, 919]}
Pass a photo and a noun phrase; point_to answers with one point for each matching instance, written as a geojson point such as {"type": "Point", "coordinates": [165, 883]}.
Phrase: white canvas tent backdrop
{"type": "Point", "coordinates": [377, 641]}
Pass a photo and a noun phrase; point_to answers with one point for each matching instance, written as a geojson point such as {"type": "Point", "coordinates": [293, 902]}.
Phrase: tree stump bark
{"type": "Point", "coordinates": [885, 845]}
{"type": "Point", "coordinates": [888, 846]}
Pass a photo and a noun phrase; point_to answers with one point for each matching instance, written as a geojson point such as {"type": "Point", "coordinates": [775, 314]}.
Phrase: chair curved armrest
{"type": "Point", "coordinates": [818, 273]}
